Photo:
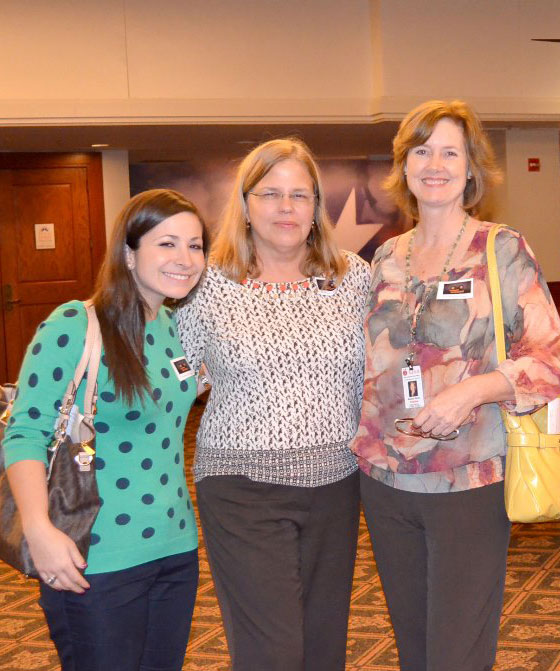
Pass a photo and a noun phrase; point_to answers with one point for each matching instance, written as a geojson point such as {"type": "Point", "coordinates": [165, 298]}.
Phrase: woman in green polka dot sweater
{"type": "Point", "coordinates": [128, 605]}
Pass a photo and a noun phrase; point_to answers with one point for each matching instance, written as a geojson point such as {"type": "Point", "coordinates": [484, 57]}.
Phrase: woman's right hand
{"type": "Point", "coordinates": [52, 551]}
{"type": "Point", "coordinates": [55, 554]}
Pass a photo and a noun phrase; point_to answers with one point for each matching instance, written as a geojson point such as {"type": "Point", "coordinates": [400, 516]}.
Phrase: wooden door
{"type": "Point", "coordinates": [36, 277]}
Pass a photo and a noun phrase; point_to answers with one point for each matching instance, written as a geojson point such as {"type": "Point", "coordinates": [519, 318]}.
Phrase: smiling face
{"type": "Point", "coordinates": [281, 224]}
{"type": "Point", "coordinates": [437, 170]}
{"type": "Point", "coordinates": [169, 260]}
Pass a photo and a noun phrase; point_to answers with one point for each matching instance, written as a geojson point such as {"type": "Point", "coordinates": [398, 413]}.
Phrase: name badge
{"type": "Point", "coordinates": [325, 286]}
{"type": "Point", "coordinates": [181, 368]}
{"type": "Point", "coordinates": [456, 289]}
{"type": "Point", "coordinates": [412, 386]}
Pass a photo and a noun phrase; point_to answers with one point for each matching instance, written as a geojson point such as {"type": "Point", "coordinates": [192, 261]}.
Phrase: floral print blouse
{"type": "Point", "coordinates": [455, 340]}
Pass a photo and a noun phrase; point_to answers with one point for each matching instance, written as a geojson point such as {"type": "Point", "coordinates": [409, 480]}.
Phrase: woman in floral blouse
{"type": "Point", "coordinates": [432, 484]}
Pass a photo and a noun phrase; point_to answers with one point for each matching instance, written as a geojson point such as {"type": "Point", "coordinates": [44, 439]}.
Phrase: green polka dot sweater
{"type": "Point", "coordinates": [146, 512]}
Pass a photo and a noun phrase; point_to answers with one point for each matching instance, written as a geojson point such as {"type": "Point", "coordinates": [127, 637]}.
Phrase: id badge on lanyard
{"type": "Point", "coordinates": [412, 387]}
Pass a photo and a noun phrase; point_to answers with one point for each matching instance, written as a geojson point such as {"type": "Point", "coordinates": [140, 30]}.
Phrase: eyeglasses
{"type": "Point", "coordinates": [419, 434]}
{"type": "Point", "coordinates": [297, 198]}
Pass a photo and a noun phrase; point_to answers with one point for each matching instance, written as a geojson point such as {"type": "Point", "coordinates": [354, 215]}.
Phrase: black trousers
{"type": "Point", "coordinates": [137, 619]}
{"type": "Point", "coordinates": [442, 563]}
{"type": "Point", "coordinates": [282, 559]}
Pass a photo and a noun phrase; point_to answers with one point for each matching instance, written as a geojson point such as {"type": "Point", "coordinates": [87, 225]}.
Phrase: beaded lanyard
{"type": "Point", "coordinates": [409, 360]}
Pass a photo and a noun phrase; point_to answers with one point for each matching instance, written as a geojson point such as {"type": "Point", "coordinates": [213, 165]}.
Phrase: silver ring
{"type": "Point", "coordinates": [51, 580]}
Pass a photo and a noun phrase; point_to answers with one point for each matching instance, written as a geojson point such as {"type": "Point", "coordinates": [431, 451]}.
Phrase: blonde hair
{"type": "Point", "coordinates": [233, 250]}
{"type": "Point", "coordinates": [416, 128]}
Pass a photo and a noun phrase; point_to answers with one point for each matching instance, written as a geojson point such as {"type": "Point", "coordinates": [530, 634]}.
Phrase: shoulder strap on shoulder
{"type": "Point", "coordinates": [495, 292]}
{"type": "Point", "coordinates": [89, 360]}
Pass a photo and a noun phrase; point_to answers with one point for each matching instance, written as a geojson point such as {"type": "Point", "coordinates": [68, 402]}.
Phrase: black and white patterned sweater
{"type": "Point", "coordinates": [286, 362]}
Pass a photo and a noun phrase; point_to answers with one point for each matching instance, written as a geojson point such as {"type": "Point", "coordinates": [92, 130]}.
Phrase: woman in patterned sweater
{"type": "Point", "coordinates": [128, 605]}
{"type": "Point", "coordinates": [277, 320]}
{"type": "Point", "coordinates": [432, 488]}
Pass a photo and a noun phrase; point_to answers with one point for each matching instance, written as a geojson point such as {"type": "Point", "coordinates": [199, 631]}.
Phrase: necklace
{"type": "Point", "coordinates": [279, 289]}
{"type": "Point", "coordinates": [409, 360]}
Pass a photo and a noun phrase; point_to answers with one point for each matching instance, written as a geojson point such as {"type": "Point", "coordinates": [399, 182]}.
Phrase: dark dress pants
{"type": "Point", "coordinates": [442, 562]}
{"type": "Point", "coordinates": [282, 558]}
{"type": "Point", "coordinates": [137, 619]}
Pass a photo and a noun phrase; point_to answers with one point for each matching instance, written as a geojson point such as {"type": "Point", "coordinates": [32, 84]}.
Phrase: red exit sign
{"type": "Point", "coordinates": [534, 164]}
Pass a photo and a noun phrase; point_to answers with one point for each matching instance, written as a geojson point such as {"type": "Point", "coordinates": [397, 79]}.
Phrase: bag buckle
{"type": "Point", "coordinates": [84, 457]}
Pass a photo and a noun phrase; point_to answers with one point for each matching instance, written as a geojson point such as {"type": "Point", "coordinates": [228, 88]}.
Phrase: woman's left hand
{"type": "Point", "coordinates": [454, 406]}
{"type": "Point", "coordinates": [446, 411]}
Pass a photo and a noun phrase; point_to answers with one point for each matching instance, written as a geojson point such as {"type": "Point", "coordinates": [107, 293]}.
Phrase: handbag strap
{"type": "Point", "coordinates": [90, 399]}
{"type": "Point", "coordinates": [89, 361]}
{"type": "Point", "coordinates": [495, 292]}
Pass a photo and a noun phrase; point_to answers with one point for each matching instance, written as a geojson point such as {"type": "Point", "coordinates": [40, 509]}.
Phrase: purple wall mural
{"type": "Point", "coordinates": [363, 215]}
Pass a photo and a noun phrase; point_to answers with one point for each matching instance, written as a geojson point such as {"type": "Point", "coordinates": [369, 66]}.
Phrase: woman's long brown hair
{"type": "Point", "coordinates": [118, 303]}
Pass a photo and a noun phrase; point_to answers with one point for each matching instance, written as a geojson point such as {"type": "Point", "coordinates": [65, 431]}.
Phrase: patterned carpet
{"type": "Point", "coordinates": [529, 638]}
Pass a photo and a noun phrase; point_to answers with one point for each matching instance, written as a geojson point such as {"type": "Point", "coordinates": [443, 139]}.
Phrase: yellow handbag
{"type": "Point", "coordinates": [532, 478]}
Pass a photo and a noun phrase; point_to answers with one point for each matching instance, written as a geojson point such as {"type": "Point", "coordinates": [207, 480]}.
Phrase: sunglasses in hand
{"type": "Point", "coordinates": [409, 430]}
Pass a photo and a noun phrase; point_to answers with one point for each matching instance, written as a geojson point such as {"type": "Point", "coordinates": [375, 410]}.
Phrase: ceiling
{"type": "Point", "coordinates": [156, 143]}
{"type": "Point", "coordinates": [177, 143]}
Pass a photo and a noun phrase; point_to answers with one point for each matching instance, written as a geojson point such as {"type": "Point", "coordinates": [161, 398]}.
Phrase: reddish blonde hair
{"type": "Point", "coordinates": [416, 128]}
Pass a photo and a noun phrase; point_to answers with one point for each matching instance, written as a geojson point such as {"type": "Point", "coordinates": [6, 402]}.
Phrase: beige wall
{"type": "Point", "coordinates": [61, 50]}
{"type": "Point", "coordinates": [533, 198]}
{"type": "Point", "coordinates": [178, 60]}
{"type": "Point", "coordinates": [480, 50]}
{"type": "Point", "coordinates": [116, 184]}
{"type": "Point", "coordinates": [314, 59]}
{"type": "Point", "coordinates": [173, 59]}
